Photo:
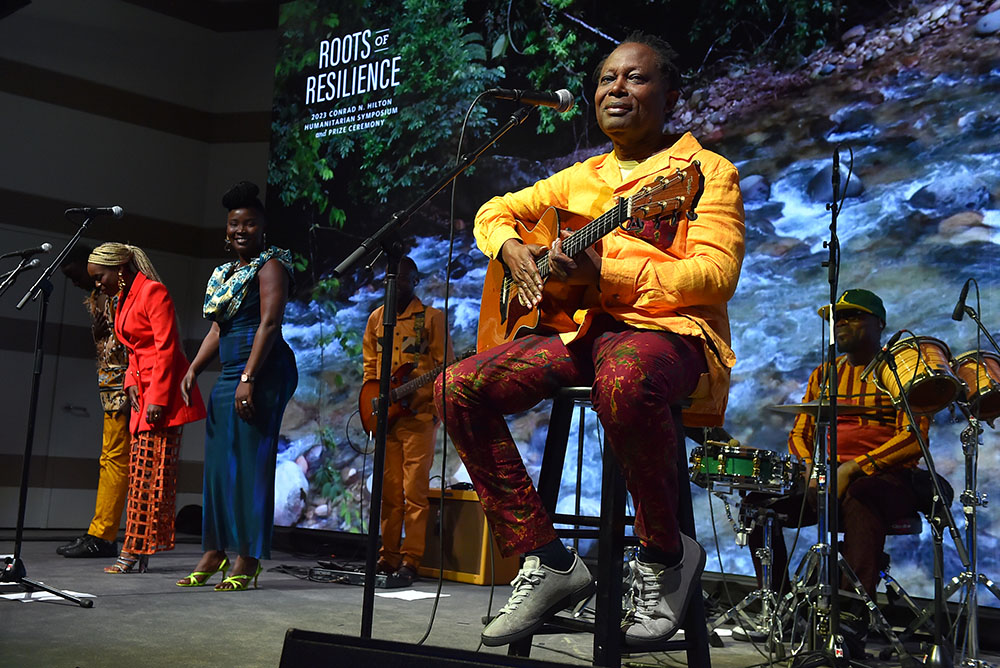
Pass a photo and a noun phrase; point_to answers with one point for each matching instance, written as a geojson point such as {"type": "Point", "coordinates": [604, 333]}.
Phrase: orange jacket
{"type": "Point", "coordinates": [147, 325]}
{"type": "Point", "coordinates": [682, 287]}
{"type": "Point", "coordinates": [879, 441]}
{"type": "Point", "coordinates": [429, 350]}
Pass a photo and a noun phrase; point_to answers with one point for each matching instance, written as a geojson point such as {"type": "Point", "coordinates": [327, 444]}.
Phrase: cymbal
{"type": "Point", "coordinates": [813, 407]}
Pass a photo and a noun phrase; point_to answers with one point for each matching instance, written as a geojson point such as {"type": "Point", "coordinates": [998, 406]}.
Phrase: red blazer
{"type": "Point", "coordinates": [147, 325]}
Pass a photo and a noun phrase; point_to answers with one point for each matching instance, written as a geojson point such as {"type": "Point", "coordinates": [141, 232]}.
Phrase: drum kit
{"type": "Point", "coordinates": [921, 377]}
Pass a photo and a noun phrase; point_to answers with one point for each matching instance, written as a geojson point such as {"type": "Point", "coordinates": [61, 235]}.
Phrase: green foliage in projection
{"type": "Point", "coordinates": [444, 67]}
{"type": "Point", "coordinates": [781, 30]}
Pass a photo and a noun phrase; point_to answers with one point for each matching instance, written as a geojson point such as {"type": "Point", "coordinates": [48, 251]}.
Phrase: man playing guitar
{"type": "Point", "coordinates": [409, 442]}
{"type": "Point", "coordinates": [650, 331]}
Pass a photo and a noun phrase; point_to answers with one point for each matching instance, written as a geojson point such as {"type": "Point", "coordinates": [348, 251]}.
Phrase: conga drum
{"type": "Point", "coordinates": [980, 371]}
{"type": "Point", "coordinates": [925, 374]}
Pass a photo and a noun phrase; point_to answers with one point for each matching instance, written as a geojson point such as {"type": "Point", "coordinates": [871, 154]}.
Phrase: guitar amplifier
{"type": "Point", "coordinates": [467, 541]}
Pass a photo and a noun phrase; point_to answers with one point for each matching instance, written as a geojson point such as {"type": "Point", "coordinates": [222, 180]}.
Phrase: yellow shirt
{"type": "Point", "coordinates": [679, 285]}
{"type": "Point", "coordinates": [876, 441]}
{"type": "Point", "coordinates": [427, 349]}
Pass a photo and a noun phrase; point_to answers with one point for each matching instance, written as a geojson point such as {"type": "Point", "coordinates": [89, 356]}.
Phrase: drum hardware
{"type": "Point", "coordinates": [980, 373]}
{"type": "Point", "coordinates": [939, 653]}
{"type": "Point", "coordinates": [765, 623]}
{"type": "Point", "coordinates": [892, 380]}
{"type": "Point", "coordinates": [978, 405]}
{"type": "Point", "coordinates": [969, 579]}
{"type": "Point", "coordinates": [930, 376]}
{"type": "Point", "coordinates": [803, 589]}
{"type": "Point", "coordinates": [925, 362]}
{"type": "Point", "coordinates": [721, 467]}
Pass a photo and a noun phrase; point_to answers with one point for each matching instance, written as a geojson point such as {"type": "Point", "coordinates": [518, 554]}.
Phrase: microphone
{"type": "Point", "coordinates": [562, 100]}
{"type": "Point", "coordinates": [28, 252]}
{"type": "Point", "coordinates": [959, 311]}
{"type": "Point", "coordinates": [891, 342]}
{"type": "Point", "coordinates": [30, 265]}
{"type": "Point", "coordinates": [91, 211]}
{"type": "Point", "coordinates": [882, 352]}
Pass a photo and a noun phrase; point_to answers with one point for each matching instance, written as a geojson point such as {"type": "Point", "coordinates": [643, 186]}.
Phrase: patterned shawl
{"type": "Point", "coordinates": [227, 286]}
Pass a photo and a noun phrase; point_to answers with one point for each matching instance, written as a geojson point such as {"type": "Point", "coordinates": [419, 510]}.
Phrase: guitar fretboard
{"type": "Point", "coordinates": [590, 233]}
{"type": "Point", "coordinates": [412, 385]}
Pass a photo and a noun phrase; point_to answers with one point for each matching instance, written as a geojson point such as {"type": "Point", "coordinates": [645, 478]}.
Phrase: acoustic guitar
{"type": "Point", "coordinates": [503, 317]}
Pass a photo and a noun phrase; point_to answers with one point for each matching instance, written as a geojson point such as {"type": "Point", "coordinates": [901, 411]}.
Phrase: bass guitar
{"type": "Point", "coordinates": [503, 317]}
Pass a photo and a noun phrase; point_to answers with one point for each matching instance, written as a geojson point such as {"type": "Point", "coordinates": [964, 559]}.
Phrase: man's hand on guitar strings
{"type": "Point", "coordinates": [520, 260]}
{"type": "Point", "coordinates": [564, 268]}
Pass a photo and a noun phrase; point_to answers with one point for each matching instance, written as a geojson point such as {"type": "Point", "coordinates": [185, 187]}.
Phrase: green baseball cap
{"type": "Point", "coordinates": [863, 300]}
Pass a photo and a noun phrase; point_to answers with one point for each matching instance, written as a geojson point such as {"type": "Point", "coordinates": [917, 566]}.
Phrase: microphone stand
{"type": "Point", "coordinates": [11, 276]}
{"type": "Point", "coordinates": [13, 568]}
{"type": "Point", "coordinates": [982, 328]}
{"type": "Point", "coordinates": [939, 648]}
{"type": "Point", "coordinates": [824, 639]}
{"type": "Point", "coordinates": [387, 240]}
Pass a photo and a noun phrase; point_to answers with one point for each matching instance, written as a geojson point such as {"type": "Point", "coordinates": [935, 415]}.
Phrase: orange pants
{"type": "Point", "coordinates": [409, 453]}
{"type": "Point", "coordinates": [112, 485]}
{"type": "Point", "coordinates": [152, 488]}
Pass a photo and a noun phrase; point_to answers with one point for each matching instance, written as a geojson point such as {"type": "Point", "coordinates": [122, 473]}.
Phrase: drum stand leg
{"type": "Point", "coordinates": [971, 578]}
{"type": "Point", "coordinates": [880, 622]}
{"type": "Point", "coordinates": [940, 652]}
{"type": "Point", "coordinates": [802, 589]}
{"type": "Point", "coordinates": [765, 623]}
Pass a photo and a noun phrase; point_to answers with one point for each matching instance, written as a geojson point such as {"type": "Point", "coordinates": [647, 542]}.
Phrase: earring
{"type": "Point", "coordinates": [121, 280]}
{"type": "Point", "coordinates": [263, 239]}
{"type": "Point", "coordinates": [229, 245]}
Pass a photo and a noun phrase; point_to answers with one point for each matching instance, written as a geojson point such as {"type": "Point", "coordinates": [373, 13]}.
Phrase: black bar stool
{"type": "Point", "coordinates": [609, 529]}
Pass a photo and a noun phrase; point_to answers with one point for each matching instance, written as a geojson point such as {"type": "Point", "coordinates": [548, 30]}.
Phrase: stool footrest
{"type": "Point", "coordinates": [583, 520]}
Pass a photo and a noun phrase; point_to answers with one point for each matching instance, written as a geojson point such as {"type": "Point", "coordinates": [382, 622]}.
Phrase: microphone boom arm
{"type": "Point", "coordinates": [33, 291]}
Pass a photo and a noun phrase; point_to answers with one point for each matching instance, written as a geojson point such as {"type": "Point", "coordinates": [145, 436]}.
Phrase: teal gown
{"type": "Point", "coordinates": [240, 457]}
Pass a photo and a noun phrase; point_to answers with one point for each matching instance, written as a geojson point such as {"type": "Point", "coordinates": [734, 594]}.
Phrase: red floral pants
{"type": "Point", "coordinates": [636, 376]}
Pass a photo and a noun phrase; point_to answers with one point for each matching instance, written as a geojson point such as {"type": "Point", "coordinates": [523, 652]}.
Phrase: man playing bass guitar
{"type": "Point", "coordinates": [651, 330]}
{"type": "Point", "coordinates": [409, 442]}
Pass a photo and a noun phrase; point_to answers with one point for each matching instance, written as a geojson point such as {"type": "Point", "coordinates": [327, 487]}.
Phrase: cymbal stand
{"type": "Point", "coordinates": [824, 638]}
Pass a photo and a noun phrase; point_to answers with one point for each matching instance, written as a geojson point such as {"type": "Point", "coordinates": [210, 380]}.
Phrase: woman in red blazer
{"type": "Point", "coordinates": [147, 326]}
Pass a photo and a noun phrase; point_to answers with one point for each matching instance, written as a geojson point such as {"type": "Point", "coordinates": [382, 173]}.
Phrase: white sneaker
{"type": "Point", "coordinates": [660, 595]}
{"type": "Point", "coordinates": [539, 593]}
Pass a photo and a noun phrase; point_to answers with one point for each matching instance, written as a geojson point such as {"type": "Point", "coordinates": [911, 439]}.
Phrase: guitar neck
{"type": "Point", "coordinates": [413, 385]}
{"type": "Point", "coordinates": [589, 234]}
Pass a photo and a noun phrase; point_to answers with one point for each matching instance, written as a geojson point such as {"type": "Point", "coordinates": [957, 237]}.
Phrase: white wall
{"type": "Point", "coordinates": [54, 151]}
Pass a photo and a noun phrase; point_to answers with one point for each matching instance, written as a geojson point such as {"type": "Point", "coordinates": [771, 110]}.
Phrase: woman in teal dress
{"type": "Point", "coordinates": [245, 300]}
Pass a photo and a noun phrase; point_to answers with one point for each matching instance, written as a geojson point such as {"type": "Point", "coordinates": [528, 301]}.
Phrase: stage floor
{"type": "Point", "coordinates": [145, 620]}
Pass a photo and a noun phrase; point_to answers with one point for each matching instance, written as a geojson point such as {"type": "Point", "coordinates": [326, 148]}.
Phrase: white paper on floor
{"type": "Point", "coordinates": [409, 595]}
{"type": "Point", "coordinates": [32, 596]}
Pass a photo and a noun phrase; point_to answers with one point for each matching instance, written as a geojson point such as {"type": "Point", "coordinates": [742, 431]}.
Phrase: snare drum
{"type": "Point", "coordinates": [980, 371]}
{"type": "Point", "coordinates": [724, 467]}
{"type": "Point", "coordinates": [924, 366]}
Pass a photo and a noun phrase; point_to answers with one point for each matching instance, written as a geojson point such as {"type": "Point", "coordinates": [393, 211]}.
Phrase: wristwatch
{"type": "Point", "coordinates": [246, 378]}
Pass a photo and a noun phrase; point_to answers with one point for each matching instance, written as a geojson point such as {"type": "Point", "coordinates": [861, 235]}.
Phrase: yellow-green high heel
{"type": "Point", "coordinates": [240, 582]}
{"type": "Point", "coordinates": [193, 581]}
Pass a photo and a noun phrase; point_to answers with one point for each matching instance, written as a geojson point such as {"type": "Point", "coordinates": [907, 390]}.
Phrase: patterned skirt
{"type": "Point", "coordinates": [152, 488]}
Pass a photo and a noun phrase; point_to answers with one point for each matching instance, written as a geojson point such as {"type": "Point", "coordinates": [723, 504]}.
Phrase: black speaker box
{"type": "Point", "coordinates": [309, 649]}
